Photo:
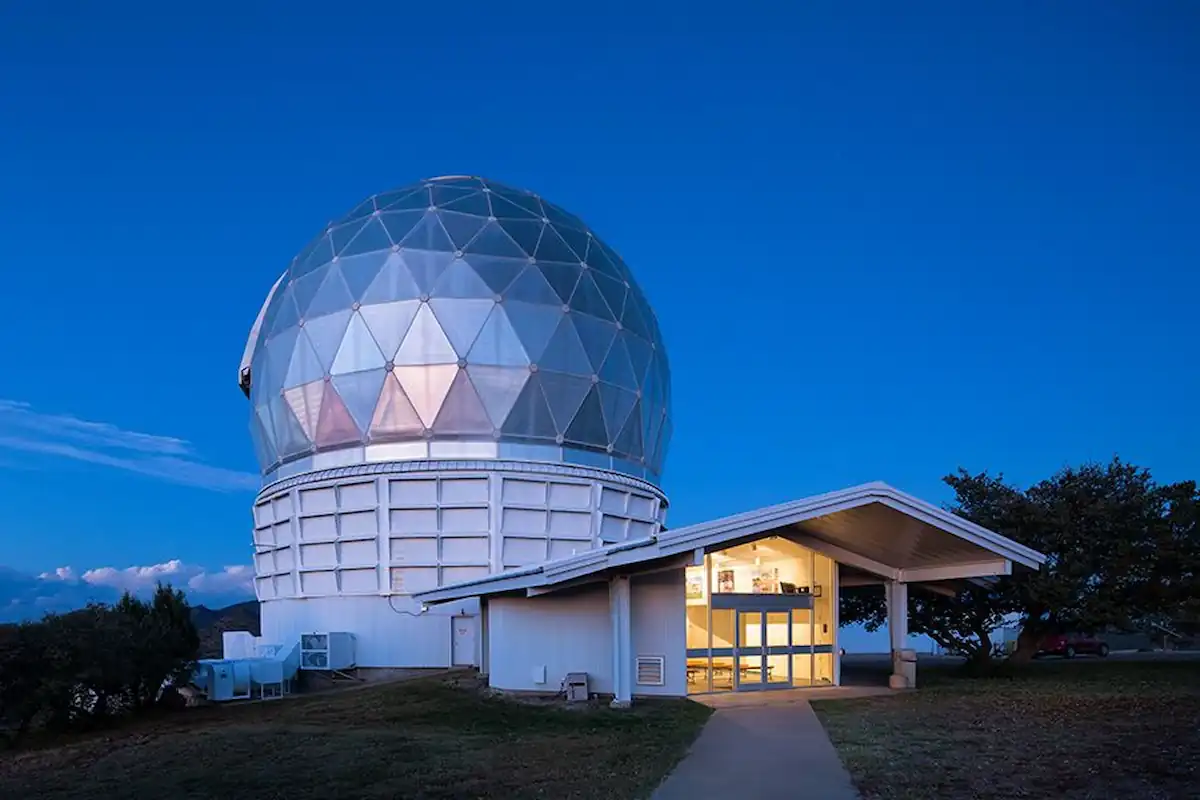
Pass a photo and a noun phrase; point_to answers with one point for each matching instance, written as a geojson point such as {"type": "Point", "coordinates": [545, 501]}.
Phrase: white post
{"type": "Point", "coordinates": [485, 659]}
{"type": "Point", "coordinates": [622, 643]}
{"type": "Point", "coordinates": [897, 608]}
{"type": "Point", "coordinates": [836, 600]}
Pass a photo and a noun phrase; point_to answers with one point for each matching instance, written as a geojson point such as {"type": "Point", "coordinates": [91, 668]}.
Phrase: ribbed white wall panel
{"type": "Point", "coordinates": [343, 549]}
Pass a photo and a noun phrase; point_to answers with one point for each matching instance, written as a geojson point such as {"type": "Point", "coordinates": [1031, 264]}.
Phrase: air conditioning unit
{"type": "Point", "coordinates": [327, 651]}
{"type": "Point", "coordinates": [223, 679]}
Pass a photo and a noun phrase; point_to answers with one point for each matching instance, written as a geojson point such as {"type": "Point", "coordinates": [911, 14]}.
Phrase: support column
{"type": "Point", "coordinates": [484, 645]}
{"type": "Point", "coordinates": [837, 624]}
{"type": "Point", "coordinates": [896, 594]}
{"type": "Point", "coordinates": [619, 605]}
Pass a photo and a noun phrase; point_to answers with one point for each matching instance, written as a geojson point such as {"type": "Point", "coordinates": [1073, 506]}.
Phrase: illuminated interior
{"type": "Point", "coordinates": [760, 616]}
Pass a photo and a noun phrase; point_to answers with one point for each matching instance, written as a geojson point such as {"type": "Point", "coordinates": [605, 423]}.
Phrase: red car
{"type": "Point", "coordinates": [1069, 645]}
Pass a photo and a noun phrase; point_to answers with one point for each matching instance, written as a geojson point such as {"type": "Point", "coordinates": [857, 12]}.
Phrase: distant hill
{"type": "Point", "coordinates": [211, 623]}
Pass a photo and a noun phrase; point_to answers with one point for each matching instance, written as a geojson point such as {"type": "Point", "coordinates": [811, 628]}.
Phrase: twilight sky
{"type": "Point", "coordinates": [882, 241]}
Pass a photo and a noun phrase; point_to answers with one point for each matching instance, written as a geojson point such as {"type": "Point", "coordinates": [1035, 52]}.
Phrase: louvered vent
{"type": "Point", "coordinates": [650, 670]}
{"type": "Point", "coordinates": [318, 659]}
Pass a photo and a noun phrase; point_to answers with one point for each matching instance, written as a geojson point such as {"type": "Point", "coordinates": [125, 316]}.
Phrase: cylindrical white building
{"type": "Point", "coordinates": [457, 378]}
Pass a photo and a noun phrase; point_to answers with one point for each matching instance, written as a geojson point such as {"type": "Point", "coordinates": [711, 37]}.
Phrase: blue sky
{"type": "Point", "coordinates": [882, 241]}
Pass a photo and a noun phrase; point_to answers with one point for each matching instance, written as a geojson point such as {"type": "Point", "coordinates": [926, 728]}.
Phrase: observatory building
{"type": "Point", "coordinates": [460, 400]}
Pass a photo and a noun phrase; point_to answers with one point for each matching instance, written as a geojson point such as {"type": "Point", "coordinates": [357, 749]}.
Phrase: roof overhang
{"type": "Point", "coordinates": [874, 528]}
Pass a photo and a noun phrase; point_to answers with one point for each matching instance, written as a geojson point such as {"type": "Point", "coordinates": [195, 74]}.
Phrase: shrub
{"type": "Point", "coordinates": [88, 667]}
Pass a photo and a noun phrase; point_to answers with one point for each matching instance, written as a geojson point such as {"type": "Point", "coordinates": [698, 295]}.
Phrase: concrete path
{"type": "Point", "coordinates": [761, 746]}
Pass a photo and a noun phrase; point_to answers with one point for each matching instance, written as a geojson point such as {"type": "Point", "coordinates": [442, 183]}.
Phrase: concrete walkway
{"type": "Point", "coordinates": [766, 744]}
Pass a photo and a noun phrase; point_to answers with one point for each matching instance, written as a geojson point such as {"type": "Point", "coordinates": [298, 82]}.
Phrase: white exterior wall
{"type": "Point", "coordinates": [572, 632]}
{"type": "Point", "coordinates": [660, 628]}
{"type": "Point", "coordinates": [332, 549]}
{"type": "Point", "coordinates": [566, 632]}
{"type": "Point", "coordinates": [384, 637]}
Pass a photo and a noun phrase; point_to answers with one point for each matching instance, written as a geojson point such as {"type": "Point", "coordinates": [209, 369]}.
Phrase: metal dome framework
{"type": "Point", "coordinates": [459, 309]}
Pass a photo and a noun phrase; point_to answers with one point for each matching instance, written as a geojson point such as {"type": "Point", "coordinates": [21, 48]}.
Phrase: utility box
{"type": "Point", "coordinates": [577, 687]}
{"type": "Point", "coordinates": [330, 650]}
{"type": "Point", "coordinates": [223, 679]}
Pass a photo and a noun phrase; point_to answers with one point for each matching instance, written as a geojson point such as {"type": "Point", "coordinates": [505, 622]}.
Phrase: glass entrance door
{"type": "Point", "coordinates": [762, 650]}
{"type": "Point", "coordinates": [749, 651]}
{"type": "Point", "coordinates": [778, 660]}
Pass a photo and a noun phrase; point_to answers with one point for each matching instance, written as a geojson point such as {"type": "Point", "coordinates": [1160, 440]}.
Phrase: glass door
{"type": "Point", "coordinates": [749, 652]}
{"type": "Point", "coordinates": [762, 651]}
{"type": "Point", "coordinates": [777, 662]}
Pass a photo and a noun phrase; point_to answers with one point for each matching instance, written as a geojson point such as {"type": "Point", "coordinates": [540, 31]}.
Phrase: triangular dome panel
{"type": "Point", "coordinates": [305, 403]}
{"type": "Point", "coordinates": [565, 352]}
{"type": "Point", "coordinates": [425, 342]}
{"type": "Point", "coordinates": [462, 228]}
{"type": "Point", "coordinates": [372, 238]}
{"type": "Point", "coordinates": [496, 271]}
{"type": "Point", "coordinates": [304, 366]}
{"type": "Point", "coordinates": [289, 436]}
{"type": "Point", "coordinates": [426, 388]}
{"type": "Point", "coordinates": [588, 425]}
{"type": "Point", "coordinates": [530, 415]}
{"type": "Point", "coordinates": [388, 322]}
{"type": "Point", "coordinates": [394, 415]}
{"type": "Point", "coordinates": [360, 392]}
{"type": "Point", "coordinates": [399, 224]}
{"type": "Point", "coordinates": [335, 425]}
{"type": "Point", "coordinates": [564, 393]}
{"type": "Point", "coordinates": [394, 282]}
{"type": "Point", "coordinates": [498, 389]}
{"type": "Point", "coordinates": [534, 324]}
{"type": "Point", "coordinates": [427, 267]}
{"type": "Point", "coordinates": [596, 335]}
{"type": "Point", "coordinates": [617, 403]}
{"type": "Point", "coordinates": [498, 344]}
{"type": "Point", "coordinates": [428, 234]}
{"type": "Point", "coordinates": [359, 272]}
{"type": "Point", "coordinates": [461, 320]}
{"type": "Point", "coordinates": [462, 411]}
{"type": "Point", "coordinates": [460, 280]}
{"type": "Point", "coordinates": [325, 333]}
{"type": "Point", "coordinates": [358, 351]}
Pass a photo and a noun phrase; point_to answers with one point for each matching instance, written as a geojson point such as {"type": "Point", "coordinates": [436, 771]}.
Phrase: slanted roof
{"type": "Point", "coordinates": [873, 527]}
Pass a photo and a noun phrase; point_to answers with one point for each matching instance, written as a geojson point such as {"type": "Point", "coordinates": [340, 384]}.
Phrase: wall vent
{"type": "Point", "coordinates": [650, 670]}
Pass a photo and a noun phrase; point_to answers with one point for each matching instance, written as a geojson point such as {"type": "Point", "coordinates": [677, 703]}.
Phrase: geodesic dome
{"type": "Point", "coordinates": [459, 309]}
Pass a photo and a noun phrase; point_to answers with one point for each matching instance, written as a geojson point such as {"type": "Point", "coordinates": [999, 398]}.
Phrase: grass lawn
{"type": "Point", "coordinates": [1073, 729]}
{"type": "Point", "coordinates": [426, 738]}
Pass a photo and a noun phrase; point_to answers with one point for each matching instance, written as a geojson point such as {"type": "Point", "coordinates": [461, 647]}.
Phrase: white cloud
{"type": "Point", "coordinates": [167, 458]}
{"type": "Point", "coordinates": [231, 579]}
{"type": "Point", "coordinates": [236, 578]}
{"type": "Point", "coordinates": [28, 597]}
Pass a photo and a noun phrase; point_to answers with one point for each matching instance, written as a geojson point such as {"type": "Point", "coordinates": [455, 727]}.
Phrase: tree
{"type": "Point", "coordinates": [162, 641]}
{"type": "Point", "coordinates": [1120, 548]}
{"type": "Point", "coordinates": [961, 621]}
{"type": "Point", "coordinates": [1105, 531]}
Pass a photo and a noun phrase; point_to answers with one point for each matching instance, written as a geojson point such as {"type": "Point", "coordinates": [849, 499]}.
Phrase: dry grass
{"type": "Point", "coordinates": [427, 738]}
{"type": "Point", "coordinates": [1083, 729]}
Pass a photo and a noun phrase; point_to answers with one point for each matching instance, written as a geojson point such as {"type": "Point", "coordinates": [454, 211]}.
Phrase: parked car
{"type": "Point", "coordinates": [1069, 645]}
